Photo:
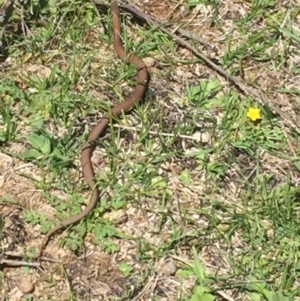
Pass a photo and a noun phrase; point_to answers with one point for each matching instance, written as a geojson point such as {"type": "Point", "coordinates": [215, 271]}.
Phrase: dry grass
{"type": "Point", "coordinates": [201, 203]}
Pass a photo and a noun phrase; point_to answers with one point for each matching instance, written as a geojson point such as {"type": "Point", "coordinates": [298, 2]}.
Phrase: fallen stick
{"type": "Point", "coordinates": [252, 91]}
{"type": "Point", "coordinates": [5, 14]}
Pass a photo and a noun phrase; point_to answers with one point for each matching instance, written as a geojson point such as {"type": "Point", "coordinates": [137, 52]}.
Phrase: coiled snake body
{"type": "Point", "coordinates": [99, 129]}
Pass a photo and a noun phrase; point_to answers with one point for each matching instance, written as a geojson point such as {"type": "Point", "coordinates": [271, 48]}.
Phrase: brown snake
{"type": "Point", "coordinates": [99, 129]}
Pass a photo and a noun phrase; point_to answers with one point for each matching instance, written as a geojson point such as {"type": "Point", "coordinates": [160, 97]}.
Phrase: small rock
{"type": "Point", "coordinates": [15, 295]}
{"type": "Point", "coordinates": [167, 267]}
{"type": "Point", "coordinates": [97, 158]}
{"type": "Point", "coordinates": [149, 61]}
{"type": "Point", "coordinates": [38, 292]}
{"type": "Point", "coordinates": [205, 137]}
{"type": "Point", "coordinates": [182, 73]}
{"type": "Point", "coordinates": [1, 181]}
{"type": "Point", "coordinates": [25, 286]}
{"type": "Point", "coordinates": [117, 216]}
{"type": "Point", "coordinates": [201, 137]}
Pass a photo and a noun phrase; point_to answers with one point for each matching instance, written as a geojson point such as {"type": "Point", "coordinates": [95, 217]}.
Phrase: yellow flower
{"type": "Point", "coordinates": [253, 114]}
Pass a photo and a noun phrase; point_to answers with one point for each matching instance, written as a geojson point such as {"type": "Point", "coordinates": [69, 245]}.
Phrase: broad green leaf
{"type": "Point", "coordinates": [31, 154]}
{"type": "Point", "coordinates": [207, 297]}
{"type": "Point", "coordinates": [185, 177]}
{"type": "Point", "coordinates": [183, 274]}
{"type": "Point", "coordinates": [254, 296]}
{"type": "Point", "coordinates": [40, 143]}
{"type": "Point", "coordinates": [125, 268]}
{"type": "Point", "coordinates": [158, 182]}
{"type": "Point", "coordinates": [198, 267]}
{"type": "Point", "coordinates": [278, 296]}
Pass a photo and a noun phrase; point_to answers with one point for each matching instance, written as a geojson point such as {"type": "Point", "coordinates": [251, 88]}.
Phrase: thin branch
{"type": "Point", "coordinates": [254, 92]}
{"type": "Point", "coordinates": [12, 262]}
{"type": "Point", "coordinates": [165, 24]}
{"type": "Point", "coordinates": [5, 14]}
{"type": "Point", "coordinates": [17, 262]}
{"type": "Point", "coordinates": [225, 296]}
{"type": "Point", "coordinates": [196, 37]}
{"type": "Point", "coordinates": [160, 23]}
{"type": "Point", "coordinates": [138, 128]}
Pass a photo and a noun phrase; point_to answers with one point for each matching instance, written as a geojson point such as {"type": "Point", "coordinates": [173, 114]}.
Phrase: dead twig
{"type": "Point", "coordinates": [160, 23]}
{"type": "Point", "coordinates": [13, 262]}
{"type": "Point", "coordinates": [5, 14]}
{"type": "Point", "coordinates": [16, 262]}
{"type": "Point", "coordinates": [165, 24]}
{"type": "Point", "coordinates": [254, 92]}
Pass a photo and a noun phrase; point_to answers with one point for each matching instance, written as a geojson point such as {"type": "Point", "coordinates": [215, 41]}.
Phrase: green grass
{"type": "Point", "coordinates": [223, 209]}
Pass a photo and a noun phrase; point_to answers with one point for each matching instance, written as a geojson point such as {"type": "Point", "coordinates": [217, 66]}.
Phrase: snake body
{"type": "Point", "coordinates": [99, 129]}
